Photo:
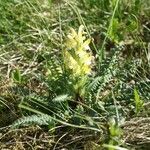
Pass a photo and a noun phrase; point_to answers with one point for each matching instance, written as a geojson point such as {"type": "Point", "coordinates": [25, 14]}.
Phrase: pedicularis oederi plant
{"type": "Point", "coordinates": [78, 58]}
{"type": "Point", "coordinates": [66, 82]}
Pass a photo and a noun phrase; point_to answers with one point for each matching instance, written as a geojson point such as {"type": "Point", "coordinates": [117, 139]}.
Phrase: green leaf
{"type": "Point", "coordinates": [38, 119]}
{"type": "Point", "coordinates": [16, 76]}
{"type": "Point", "coordinates": [138, 102]}
{"type": "Point", "coordinates": [113, 147]}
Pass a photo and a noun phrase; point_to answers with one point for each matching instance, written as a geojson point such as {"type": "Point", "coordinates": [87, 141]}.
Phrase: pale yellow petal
{"type": "Point", "coordinates": [73, 32]}
{"type": "Point", "coordinates": [80, 31]}
{"type": "Point", "coordinates": [86, 44]}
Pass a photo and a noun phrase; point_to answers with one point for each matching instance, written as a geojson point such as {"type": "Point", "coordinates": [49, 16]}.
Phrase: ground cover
{"type": "Point", "coordinates": [74, 74]}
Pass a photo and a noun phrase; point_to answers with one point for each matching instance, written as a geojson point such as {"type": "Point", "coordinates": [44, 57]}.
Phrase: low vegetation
{"type": "Point", "coordinates": [75, 74]}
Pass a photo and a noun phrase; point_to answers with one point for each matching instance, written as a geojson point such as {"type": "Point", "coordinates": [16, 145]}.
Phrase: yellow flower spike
{"type": "Point", "coordinates": [76, 56]}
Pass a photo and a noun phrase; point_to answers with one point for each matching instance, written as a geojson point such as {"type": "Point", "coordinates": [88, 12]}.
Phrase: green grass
{"type": "Point", "coordinates": [37, 89]}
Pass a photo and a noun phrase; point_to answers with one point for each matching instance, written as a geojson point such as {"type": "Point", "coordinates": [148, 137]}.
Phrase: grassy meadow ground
{"type": "Point", "coordinates": [56, 93]}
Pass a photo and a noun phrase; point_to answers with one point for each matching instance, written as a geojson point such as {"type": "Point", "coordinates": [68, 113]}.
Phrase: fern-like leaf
{"type": "Point", "coordinates": [32, 120]}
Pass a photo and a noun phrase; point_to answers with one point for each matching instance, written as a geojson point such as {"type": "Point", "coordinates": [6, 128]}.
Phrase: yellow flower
{"type": "Point", "coordinates": [77, 55]}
